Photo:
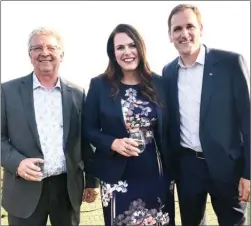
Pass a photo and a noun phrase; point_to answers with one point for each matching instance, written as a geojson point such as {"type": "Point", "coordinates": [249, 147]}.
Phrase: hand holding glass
{"type": "Point", "coordinates": [139, 138]}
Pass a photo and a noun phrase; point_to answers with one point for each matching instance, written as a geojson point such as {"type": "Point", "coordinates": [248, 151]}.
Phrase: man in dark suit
{"type": "Point", "coordinates": [40, 141]}
{"type": "Point", "coordinates": [209, 118]}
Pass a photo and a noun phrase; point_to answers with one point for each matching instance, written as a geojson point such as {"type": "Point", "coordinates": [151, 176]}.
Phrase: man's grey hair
{"type": "Point", "coordinates": [46, 31]}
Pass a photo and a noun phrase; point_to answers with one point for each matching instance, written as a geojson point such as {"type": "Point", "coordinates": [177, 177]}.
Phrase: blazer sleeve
{"type": "Point", "coordinates": [10, 156]}
{"type": "Point", "coordinates": [87, 154]}
{"type": "Point", "coordinates": [242, 103]}
{"type": "Point", "coordinates": [92, 126]}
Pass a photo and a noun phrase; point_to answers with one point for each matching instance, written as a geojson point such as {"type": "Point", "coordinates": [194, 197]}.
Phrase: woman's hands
{"type": "Point", "coordinates": [126, 147]}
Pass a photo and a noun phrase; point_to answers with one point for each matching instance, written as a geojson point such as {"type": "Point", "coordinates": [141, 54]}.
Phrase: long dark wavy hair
{"type": "Point", "coordinates": [114, 72]}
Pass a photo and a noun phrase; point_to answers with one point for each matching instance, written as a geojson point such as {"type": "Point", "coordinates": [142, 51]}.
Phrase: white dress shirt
{"type": "Point", "coordinates": [49, 120]}
{"type": "Point", "coordinates": [189, 92]}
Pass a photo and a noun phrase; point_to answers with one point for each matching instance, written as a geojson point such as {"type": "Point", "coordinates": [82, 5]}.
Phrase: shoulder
{"type": "Point", "coordinates": [14, 83]}
{"type": "Point", "coordinates": [74, 87]}
{"type": "Point", "coordinates": [99, 81]}
{"type": "Point", "coordinates": [156, 77]}
{"type": "Point", "coordinates": [102, 78]}
{"type": "Point", "coordinates": [157, 81]}
{"type": "Point", "coordinates": [224, 55]}
{"type": "Point", "coordinates": [168, 68]}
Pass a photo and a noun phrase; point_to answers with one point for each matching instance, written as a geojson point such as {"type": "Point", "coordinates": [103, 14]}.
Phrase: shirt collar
{"type": "Point", "coordinates": [37, 84]}
{"type": "Point", "coordinates": [200, 58]}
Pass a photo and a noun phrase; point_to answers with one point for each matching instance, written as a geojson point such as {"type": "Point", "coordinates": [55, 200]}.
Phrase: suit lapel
{"type": "Point", "coordinates": [206, 84]}
{"type": "Point", "coordinates": [174, 87]}
{"type": "Point", "coordinates": [66, 106]}
{"type": "Point", "coordinates": [26, 90]}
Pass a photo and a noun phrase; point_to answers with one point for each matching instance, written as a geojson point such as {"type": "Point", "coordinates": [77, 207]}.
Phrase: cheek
{"type": "Point", "coordinates": [135, 53]}
{"type": "Point", "coordinates": [174, 38]}
{"type": "Point", "coordinates": [118, 57]}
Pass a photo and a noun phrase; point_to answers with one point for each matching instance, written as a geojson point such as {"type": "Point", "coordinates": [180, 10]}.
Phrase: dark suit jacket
{"type": "Point", "coordinates": [224, 129]}
{"type": "Point", "coordinates": [20, 140]}
{"type": "Point", "coordinates": [104, 123]}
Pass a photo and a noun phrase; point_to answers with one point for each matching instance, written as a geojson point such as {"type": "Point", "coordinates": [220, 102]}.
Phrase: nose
{"type": "Point", "coordinates": [184, 33]}
{"type": "Point", "coordinates": [44, 51]}
{"type": "Point", "coordinates": [127, 50]}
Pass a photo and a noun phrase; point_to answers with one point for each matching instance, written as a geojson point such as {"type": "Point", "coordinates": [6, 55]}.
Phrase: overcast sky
{"type": "Point", "coordinates": [85, 27]}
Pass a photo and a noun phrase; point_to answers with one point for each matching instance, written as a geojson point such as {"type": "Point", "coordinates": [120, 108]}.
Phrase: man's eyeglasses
{"type": "Point", "coordinates": [39, 49]}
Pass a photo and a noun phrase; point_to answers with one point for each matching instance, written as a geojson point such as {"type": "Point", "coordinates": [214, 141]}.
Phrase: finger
{"type": "Point", "coordinates": [33, 173]}
{"type": "Point", "coordinates": [245, 196]}
{"type": "Point", "coordinates": [131, 153]}
{"type": "Point", "coordinates": [31, 178]}
{"type": "Point", "coordinates": [35, 160]}
{"type": "Point", "coordinates": [124, 153]}
{"type": "Point", "coordinates": [33, 167]}
{"type": "Point", "coordinates": [132, 142]}
{"type": "Point", "coordinates": [134, 149]}
{"type": "Point", "coordinates": [90, 200]}
{"type": "Point", "coordinates": [240, 188]}
{"type": "Point", "coordinates": [87, 195]}
{"type": "Point", "coordinates": [84, 197]}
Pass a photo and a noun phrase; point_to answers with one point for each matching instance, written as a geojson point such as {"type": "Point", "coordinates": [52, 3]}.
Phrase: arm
{"type": "Point", "coordinates": [10, 156]}
{"type": "Point", "coordinates": [167, 72]}
{"type": "Point", "coordinates": [91, 116]}
{"type": "Point", "coordinates": [242, 103]}
{"type": "Point", "coordinates": [87, 153]}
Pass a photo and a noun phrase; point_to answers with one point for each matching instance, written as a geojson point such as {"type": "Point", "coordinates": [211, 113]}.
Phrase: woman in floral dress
{"type": "Point", "coordinates": [128, 98]}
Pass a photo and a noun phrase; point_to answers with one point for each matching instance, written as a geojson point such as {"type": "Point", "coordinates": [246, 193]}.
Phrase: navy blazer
{"type": "Point", "coordinates": [224, 129]}
{"type": "Point", "coordinates": [104, 123]}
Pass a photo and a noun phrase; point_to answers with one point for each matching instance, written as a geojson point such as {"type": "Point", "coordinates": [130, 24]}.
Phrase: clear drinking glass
{"type": "Point", "coordinates": [138, 136]}
{"type": "Point", "coordinates": [41, 165]}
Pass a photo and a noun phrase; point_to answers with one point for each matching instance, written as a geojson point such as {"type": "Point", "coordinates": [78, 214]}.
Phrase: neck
{"type": "Point", "coordinates": [46, 80]}
{"type": "Point", "coordinates": [189, 60]}
{"type": "Point", "coordinates": [130, 78]}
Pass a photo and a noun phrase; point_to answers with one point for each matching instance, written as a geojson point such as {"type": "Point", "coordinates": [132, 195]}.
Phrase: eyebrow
{"type": "Point", "coordinates": [179, 26]}
{"type": "Point", "coordinates": [131, 43]}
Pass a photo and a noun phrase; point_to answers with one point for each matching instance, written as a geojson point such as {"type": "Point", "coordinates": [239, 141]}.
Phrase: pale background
{"type": "Point", "coordinates": [85, 27]}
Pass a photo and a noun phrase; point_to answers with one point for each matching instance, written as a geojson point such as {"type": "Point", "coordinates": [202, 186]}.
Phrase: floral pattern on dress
{"type": "Point", "coordinates": [108, 189]}
{"type": "Point", "coordinates": [136, 114]}
{"type": "Point", "coordinates": [138, 214]}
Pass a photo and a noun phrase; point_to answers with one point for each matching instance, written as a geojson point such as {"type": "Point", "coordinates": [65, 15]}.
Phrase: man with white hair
{"type": "Point", "coordinates": [42, 154]}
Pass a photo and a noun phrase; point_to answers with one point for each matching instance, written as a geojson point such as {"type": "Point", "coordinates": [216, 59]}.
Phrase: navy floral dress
{"type": "Point", "coordinates": [142, 183]}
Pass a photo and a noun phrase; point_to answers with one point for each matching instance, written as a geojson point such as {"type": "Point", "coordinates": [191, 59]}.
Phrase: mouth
{"type": "Point", "coordinates": [128, 60]}
{"type": "Point", "coordinates": [185, 42]}
{"type": "Point", "coordinates": [44, 61]}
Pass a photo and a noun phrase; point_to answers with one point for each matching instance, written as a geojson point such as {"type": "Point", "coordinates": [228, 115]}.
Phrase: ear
{"type": "Point", "coordinates": [30, 56]}
{"type": "Point", "coordinates": [61, 56]}
{"type": "Point", "coordinates": [201, 30]}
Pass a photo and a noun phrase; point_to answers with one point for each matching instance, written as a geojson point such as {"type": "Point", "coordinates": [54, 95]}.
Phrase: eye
{"type": "Point", "coordinates": [176, 29]}
{"type": "Point", "coordinates": [37, 48]}
{"type": "Point", "coordinates": [133, 45]}
{"type": "Point", "coordinates": [51, 48]}
{"type": "Point", "coordinates": [120, 47]}
{"type": "Point", "coordinates": [190, 26]}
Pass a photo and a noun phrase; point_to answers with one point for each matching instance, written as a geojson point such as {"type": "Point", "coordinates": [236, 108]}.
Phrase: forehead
{"type": "Point", "coordinates": [122, 39]}
{"type": "Point", "coordinates": [183, 18]}
{"type": "Point", "coordinates": [44, 40]}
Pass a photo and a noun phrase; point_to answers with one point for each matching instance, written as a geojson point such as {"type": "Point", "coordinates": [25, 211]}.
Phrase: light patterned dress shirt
{"type": "Point", "coordinates": [49, 119]}
{"type": "Point", "coordinates": [189, 91]}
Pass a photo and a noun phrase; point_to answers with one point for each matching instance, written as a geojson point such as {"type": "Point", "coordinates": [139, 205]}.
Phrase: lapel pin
{"type": "Point", "coordinates": [210, 74]}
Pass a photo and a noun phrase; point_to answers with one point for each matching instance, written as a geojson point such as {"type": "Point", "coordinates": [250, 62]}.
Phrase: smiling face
{"type": "Point", "coordinates": [45, 54]}
{"type": "Point", "coordinates": [126, 53]}
{"type": "Point", "coordinates": [185, 32]}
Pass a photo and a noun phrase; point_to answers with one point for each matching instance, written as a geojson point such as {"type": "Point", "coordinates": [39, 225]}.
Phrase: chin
{"type": "Point", "coordinates": [131, 67]}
